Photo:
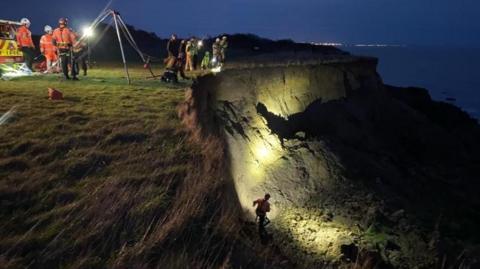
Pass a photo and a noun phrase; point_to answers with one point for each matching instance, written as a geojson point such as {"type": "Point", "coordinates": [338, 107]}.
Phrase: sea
{"type": "Point", "coordinates": [450, 74]}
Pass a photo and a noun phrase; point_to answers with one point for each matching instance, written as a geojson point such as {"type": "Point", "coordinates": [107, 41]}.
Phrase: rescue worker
{"type": "Point", "coordinates": [25, 42]}
{"type": "Point", "coordinates": [80, 54]}
{"type": "Point", "coordinates": [181, 58]}
{"type": "Point", "coordinates": [181, 49]}
{"type": "Point", "coordinates": [48, 49]}
{"type": "Point", "coordinates": [195, 50]}
{"type": "Point", "coordinates": [216, 52]}
{"type": "Point", "coordinates": [173, 46]}
{"type": "Point", "coordinates": [64, 40]}
{"type": "Point", "coordinates": [263, 207]}
{"type": "Point", "coordinates": [206, 61]}
{"type": "Point", "coordinates": [189, 49]}
{"type": "Point", "coordinates": [223, 49]}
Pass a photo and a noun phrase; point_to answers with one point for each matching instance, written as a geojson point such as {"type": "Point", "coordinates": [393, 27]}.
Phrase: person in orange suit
{"type": "Point", "coordinates": [64, 39]}
{"type": "Point", "coordinates": [263, 207]}
{"type": "Point", "coordinates": [25, 42]}
{"type": "Point", "coordinates": [47, 48]}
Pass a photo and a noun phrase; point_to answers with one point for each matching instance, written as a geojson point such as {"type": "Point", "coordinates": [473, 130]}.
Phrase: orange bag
{"type": "Point", "coordinates": [54, 94]}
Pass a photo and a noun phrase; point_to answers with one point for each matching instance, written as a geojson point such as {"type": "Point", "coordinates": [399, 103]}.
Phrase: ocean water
{"type": "Point", "coordinates": [450, 74]}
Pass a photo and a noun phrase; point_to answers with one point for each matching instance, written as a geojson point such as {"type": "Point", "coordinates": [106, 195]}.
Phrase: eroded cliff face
{"type": "Point", "coordinates": [318, 136]}
{"type": "Point", "coordinates": [251, 105]}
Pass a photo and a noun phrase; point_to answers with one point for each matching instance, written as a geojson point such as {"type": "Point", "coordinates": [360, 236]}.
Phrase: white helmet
{"type": "Point", "coordinates": [48, 28]}
{"type": "Point", "coordinates": [25, 21]}
{"type": "Point", "coordinates": [217, 40]}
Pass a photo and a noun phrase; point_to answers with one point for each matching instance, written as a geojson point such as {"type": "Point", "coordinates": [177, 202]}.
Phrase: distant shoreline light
{"type": "Point", "coordinates": [354, 45]}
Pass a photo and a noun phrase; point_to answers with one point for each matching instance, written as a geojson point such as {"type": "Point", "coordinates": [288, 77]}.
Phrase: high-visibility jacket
{"type": "Point", "coordinates": [24, 37]}
{"type": "Point", "coordinates": [63, 38]}
{"type": "Point", "coordinates": [46, 45]}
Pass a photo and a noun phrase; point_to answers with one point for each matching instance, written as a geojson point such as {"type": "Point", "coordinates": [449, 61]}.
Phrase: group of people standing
{"type": "Point", "coordinates": [185, 53]}
{"type": "Point", "coordinates": [61, 47]}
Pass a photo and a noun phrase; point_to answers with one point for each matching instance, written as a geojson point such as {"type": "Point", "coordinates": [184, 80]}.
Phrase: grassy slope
{"type": "Point", "coordinates": [84, 177]}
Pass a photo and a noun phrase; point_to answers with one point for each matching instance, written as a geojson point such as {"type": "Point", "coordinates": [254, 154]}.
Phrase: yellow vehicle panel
{"type": "Point", "coordinates": [9, 48]}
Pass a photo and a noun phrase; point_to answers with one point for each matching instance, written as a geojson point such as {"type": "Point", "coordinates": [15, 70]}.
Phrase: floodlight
{"type": "Point", "coordinates": [87, 31]}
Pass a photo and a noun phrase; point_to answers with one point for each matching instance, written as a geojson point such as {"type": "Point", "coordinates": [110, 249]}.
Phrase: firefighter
{"type": "Point", "coordinates": [263, 207]}
{"type": "Point", "coordinates": [223, 49]}
{"type": "Point", "coordinates": [64, 40]}
{"type": "Point", "coordinates": [80, 54]}
{"type": "Point", "coordinates": [216, 52]}
{"type": "Point", "coordinates": [25, 42]}
{"type": "Point", "coordinates": [48, 49]}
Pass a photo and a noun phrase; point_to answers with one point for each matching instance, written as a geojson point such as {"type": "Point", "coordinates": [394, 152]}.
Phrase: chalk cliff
{"type": "Point", "coordinates": [356, 169]}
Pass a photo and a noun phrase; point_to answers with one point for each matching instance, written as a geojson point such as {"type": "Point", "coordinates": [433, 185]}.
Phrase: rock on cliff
{"type": "Point", "coordinates": [354, 167]}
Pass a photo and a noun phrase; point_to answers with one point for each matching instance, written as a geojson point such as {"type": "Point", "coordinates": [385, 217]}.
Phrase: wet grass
{"type": "Point", "coordinates": [82, 178]}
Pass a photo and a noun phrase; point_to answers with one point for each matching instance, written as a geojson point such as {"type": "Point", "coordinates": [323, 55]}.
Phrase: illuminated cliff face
{"type": "Point", "coordinates": [306, 134]}
{"type": "Point", "coordinates": [268, 150]}
{"type": "Point", "coordinates": [341, 154]}
{"type": "Point", "coordinates": [262, 113]}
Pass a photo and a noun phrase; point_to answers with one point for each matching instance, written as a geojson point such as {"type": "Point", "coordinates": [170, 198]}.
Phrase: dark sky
{"type": "Point", "coordinates": [412, 22]}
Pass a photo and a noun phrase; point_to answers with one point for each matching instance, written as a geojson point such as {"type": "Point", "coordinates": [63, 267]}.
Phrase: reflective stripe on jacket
{"type": "Point", "coordinates": [63, 37]}
{"type": "Point", "coordinates": [46, 45]}
{"type": "Point", "coordinates": [24, 37]}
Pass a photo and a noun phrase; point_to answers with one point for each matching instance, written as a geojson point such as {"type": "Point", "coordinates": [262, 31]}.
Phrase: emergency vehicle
{"type": "Point", "coordinates": [9, 51]}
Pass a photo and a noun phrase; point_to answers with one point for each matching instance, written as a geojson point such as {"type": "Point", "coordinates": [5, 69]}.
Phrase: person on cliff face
{"type": "Point", "coordinates": [263, 207]}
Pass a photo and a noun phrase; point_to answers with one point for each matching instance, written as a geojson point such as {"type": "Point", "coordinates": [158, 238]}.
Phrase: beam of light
{"type": "Point", "coordinates": [217, 69]}
{"type": "Point", "coordinates": [88, 32]}
{"type": "Point", "coordinates": [8, 115]}
{"type": "Point", "coordinates": [255, 167]}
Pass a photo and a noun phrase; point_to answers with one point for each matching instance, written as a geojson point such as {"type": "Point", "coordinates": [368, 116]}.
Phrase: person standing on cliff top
{"type": "Point", "coordinates": [173, 46]}
{"type": "Point", "coordinates": [263, 207]}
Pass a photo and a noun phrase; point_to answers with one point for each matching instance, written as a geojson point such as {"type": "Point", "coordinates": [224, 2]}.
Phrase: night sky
{"type": "Point", "coordinates": [411, 22]}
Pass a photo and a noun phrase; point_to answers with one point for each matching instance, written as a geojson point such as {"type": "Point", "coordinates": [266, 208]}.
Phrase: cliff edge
{"type": "Point", "coordinates": [359, 172]}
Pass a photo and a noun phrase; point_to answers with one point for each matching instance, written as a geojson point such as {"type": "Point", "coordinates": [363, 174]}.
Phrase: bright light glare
{"type": "Point", "coordinates": [200, 43]}
{"type": "Point", "coordinates": [217, 69]}
{"type": "Point", "coordinates": [9, 72]}
{"type": "Point", "coordinates": [262, 153]}
{"type": "Point", "coordinates": [87, 31]}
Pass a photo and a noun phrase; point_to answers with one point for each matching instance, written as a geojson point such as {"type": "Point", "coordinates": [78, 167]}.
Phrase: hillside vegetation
{"type": "Point", "coordinates": [96, 180]}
